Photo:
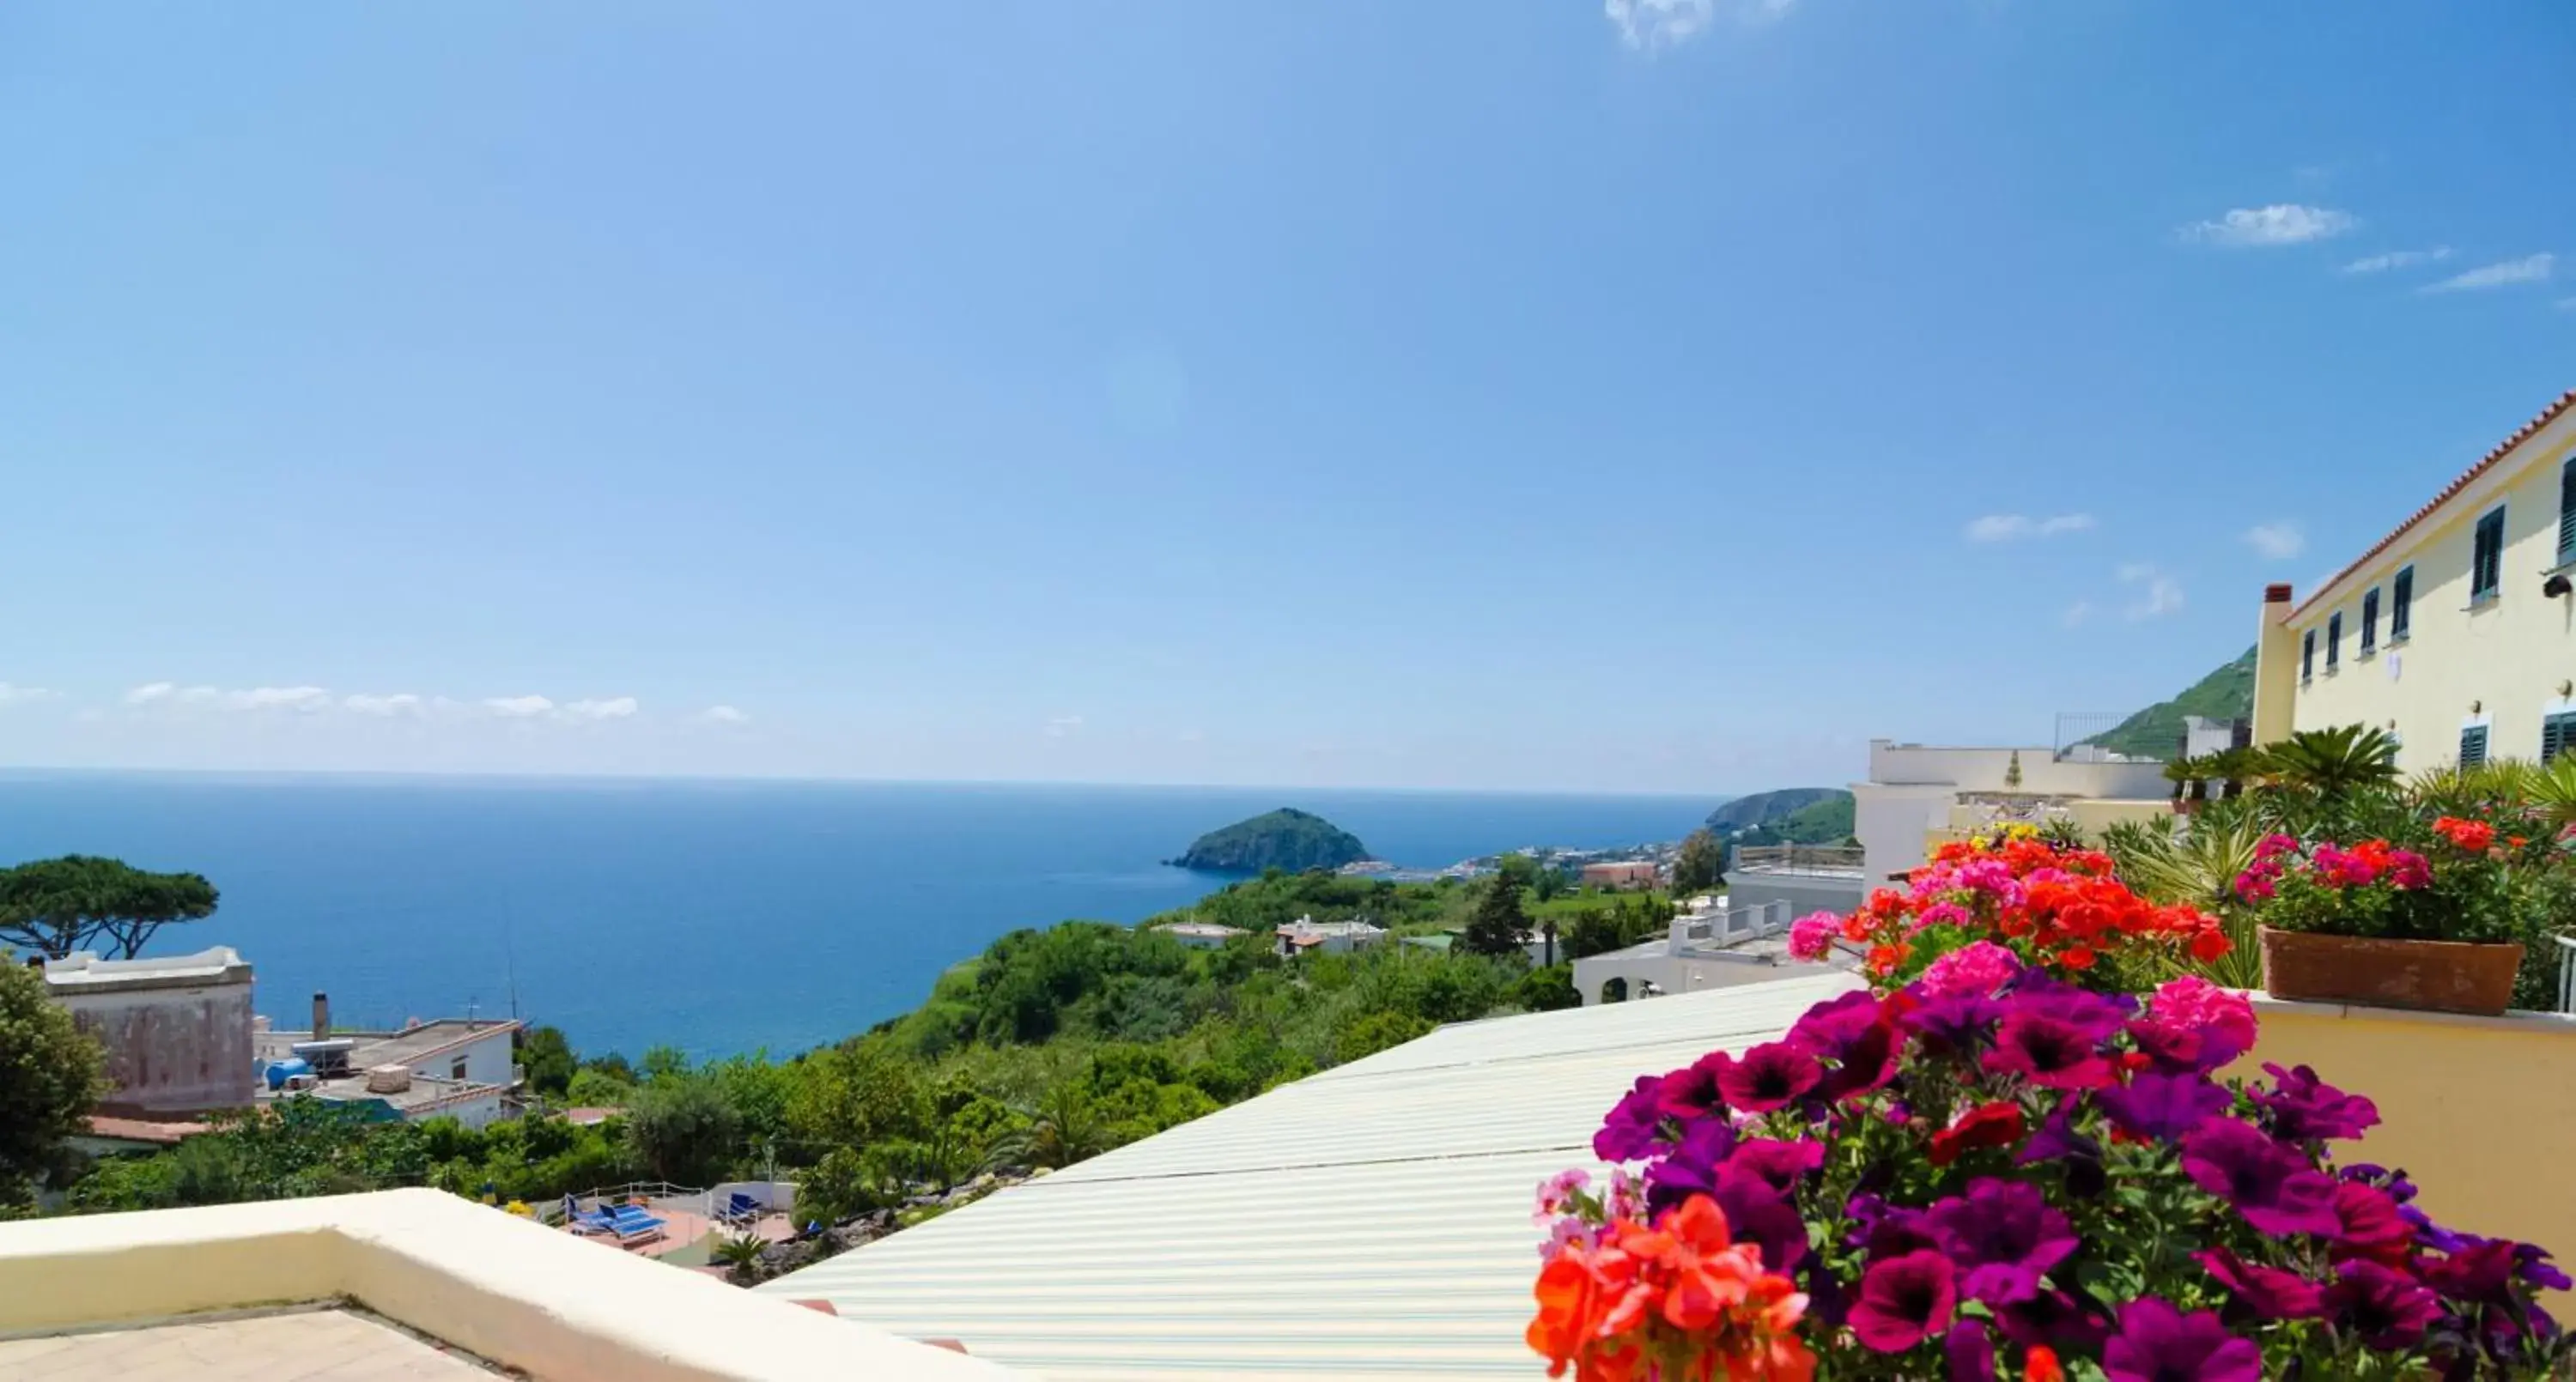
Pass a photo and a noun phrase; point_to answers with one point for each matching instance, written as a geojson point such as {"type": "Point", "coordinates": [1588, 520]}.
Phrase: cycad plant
{"type": "Point", "coordinates": [2552, 789]}
{"type": "Point", "coordinates": [2333, 763]}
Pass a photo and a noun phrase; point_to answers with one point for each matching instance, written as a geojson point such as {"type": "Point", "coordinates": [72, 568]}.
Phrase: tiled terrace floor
{"type": "Point", "coordinates": [294, 1346]}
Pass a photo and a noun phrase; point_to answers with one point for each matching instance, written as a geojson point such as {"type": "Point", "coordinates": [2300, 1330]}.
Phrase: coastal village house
{"type": "Point", "coordinates": [1622, 873]}
{"type": "Point", "coordinates": [1306, 936]}
{"type": "Point", "coordinates": [2457, 631]}
{"type": "Point", "coordinates": [1713, 943]}
{"type": "Point", "coordinates": [460, 1068]}
{"type": "Point", "coordinates": [1201, 935]}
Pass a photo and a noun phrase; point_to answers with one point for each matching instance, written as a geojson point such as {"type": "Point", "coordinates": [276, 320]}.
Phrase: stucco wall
{"type": "Point", "coordinates": [2511, 655]}
{"type": "Point", "coordinates": [171, 1050]}
{"type": "Point", "coordinates": [1984, 770]}
{"type": "Point", "coordinates": [2481, 1112]}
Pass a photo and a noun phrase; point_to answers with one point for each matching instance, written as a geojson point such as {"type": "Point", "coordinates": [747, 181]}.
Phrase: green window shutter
{"type": "Point", "coordinates": [2557, 735]}
{"type": "Point", "coordinates": [2567, 513]}
{"type": "Point", "coordinates": [2370, 619]}
{"type": "Point", "coordinates": [2307, 654]}
{"type": "Point", "coordinates": [2401, 602]}
{"type": "Point", "coordinates": [2334, 639]}
{"type": "Point", "coordinates": [2473, 746]}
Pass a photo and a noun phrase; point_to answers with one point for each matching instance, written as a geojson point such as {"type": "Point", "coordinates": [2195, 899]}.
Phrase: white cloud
{"type": "Point", "coordinates": [2264, 226]}
{"type": "Point", "coordinates": [2158, 593]}
{"type": "Point", "coordinates": [400, 703]}
{"type": "Point", "coordinates": [616, 708]}
{"type": "Point", "coordinates": [2567, 304]}
{"type": "Point", "coordinates": [2531, 268]}
{"type": "Point", "coordinates": [1653, 24]}
{"type": "Point", "coordinates": [2277, 541]}
{"type": "Point", "coordinates": [2077, 613]}
{"type": "Point", "coordinates": [1647, 25]}
{"type": "Point", "coordinates": [518, 707]}
{"type": "Point", "coordinates": [149, 692]}
{"type": "Point", "coordinates": [12, 695]}
{"type": "Point", "coordinates": [2397, 259]}
{"type": "Point", "coordinates": [278, 698]}
{"type": "Point", "coordinates": [1062, 725]}
{"type": "Point", "coordinates": [723, 715]}
{"type": "Point", "coordinates": [198, 695]}
{"type": "Point", "coordinates": [2008, 527]}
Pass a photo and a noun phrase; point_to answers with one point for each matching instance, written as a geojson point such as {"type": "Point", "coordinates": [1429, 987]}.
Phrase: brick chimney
{"type": "Point", "coordinates": [321, 1016]}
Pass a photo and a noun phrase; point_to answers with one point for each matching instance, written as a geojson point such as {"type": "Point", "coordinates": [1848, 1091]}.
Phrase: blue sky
{"type": "Point", "coordinates": [1668, 396]}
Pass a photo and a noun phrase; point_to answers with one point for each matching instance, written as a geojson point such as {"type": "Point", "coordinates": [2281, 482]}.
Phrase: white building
{"type": "Point", "coordinates": [176, 1029]}
{"type": "Point", "coordinates": [1716, 943]}
{"type": "Point", "coordinates": [1918, 794]}
{"type": "Point", "coordinates": [456, 1068]}
{"type": "Point", "coordinates": [1201, 935]}
{"type": "Point", "coordinates": [1306, 936]}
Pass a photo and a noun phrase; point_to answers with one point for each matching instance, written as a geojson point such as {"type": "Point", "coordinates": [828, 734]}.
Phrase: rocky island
{"type": "Point", "coordinates": [1283, 839]}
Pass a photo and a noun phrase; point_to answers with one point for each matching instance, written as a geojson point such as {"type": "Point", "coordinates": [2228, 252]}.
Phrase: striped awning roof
{"type": "Point", "coordinates": [1372, 1221]}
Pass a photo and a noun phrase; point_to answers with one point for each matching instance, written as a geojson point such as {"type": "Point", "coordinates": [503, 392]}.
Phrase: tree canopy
{"type": "Point", "coordinates": [49, 1078]}
{"type": "Point", "coordinates": [1699, 863]}
{"type": "Point", "coordinates": [1498, 926]}
{"type": "Point", "coordinates": [82, 902]}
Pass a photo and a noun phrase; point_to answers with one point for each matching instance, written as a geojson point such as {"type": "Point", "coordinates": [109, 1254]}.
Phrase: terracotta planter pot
{"type": "Point", "coordinates": [2437, 976]}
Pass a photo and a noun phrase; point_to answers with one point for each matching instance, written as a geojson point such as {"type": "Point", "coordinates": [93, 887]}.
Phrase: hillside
{"type": "Point", "coordinates": [2225, 694]}
{"type": "Point", "coordinates": [1283, 839]}
{"type": "Point", "coordinates": [1824, 822]}
{"type": "Point", "coordinates": [1761, 808]}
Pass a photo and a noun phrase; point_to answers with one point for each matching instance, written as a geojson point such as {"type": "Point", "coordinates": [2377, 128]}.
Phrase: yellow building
{"type": "Point", "coordinates": [2457, 631]}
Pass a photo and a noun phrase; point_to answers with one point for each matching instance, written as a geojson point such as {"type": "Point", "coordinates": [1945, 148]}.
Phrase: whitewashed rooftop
{"type": "Point", "coordinates": [1372, 1221]}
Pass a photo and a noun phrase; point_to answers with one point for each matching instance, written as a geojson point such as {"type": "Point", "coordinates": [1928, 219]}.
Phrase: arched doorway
{"type": "Point", "coordinates": [1615, 991]}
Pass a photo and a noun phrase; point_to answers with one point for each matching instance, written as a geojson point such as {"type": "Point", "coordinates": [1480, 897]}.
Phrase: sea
{"type": "Point", "coordinates": [719, 917]}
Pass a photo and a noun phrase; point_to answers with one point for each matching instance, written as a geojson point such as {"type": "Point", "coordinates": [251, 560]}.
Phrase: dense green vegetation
{"type": "Point", "coordinates": [1762, 808]}
{"type": "Point", "coordinates": [1283, 839]}
{"type": "Point", "coordinates": [1052, 1046]}
{"type": "Point", "coordinates": [2156, 732]}
{"type": "Point", "coordinates": [1825, 821]}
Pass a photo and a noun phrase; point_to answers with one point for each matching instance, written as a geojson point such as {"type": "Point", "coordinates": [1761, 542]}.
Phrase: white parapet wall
{"type": "Point", "coordinates": [536, 1299]}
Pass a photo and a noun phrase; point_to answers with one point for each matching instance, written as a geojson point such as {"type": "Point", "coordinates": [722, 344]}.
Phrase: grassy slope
{"type": "Point", "coordinates": [2225, 694]}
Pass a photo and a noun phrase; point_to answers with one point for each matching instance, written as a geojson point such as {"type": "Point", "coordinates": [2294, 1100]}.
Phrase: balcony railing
{"type": "Point", "coordinates": [1829, 859]}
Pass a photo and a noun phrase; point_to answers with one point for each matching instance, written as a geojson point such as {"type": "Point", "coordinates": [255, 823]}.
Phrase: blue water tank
{"type": "Point", "coordinates": [280, 1071]}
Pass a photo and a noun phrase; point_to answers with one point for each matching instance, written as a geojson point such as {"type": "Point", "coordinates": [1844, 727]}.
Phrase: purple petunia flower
{"type": "Point", "coordinates": [1903, 1300]}
{"type": "Point", "coordinates": [1691, 1169]}
{"type": "Point", "coordinates": [2266, 1293]}
{"type": "Point", "coordinates": [1629, 1132]}
{"type": "Point", "coordinates": [2387, 1308]}
{"type": "Point", "coordinates": [2531, 1262]}
{"type": "Point", "coordinates": [2303, 1108]}
{"type": "Point", "coordinates": [2056, 1319]}
{"type": "Point", "coordinates": [1770, 1076]}
{"type": "Point", "coordinates": [2373, 1227]}
{"type": "Point", "coordinates": [2480, 1271]}
{"type": "Point", "coordinates": [1970, 1352]}
{"type": "Point", "coordinates": [2271, 1185]}
{"type": "Point", "coordinates": [2158, 1343]}
{"type": "Point", "coordinates": [1963, 1023]}
{"type": "Point", "coordinates": [2057, 1139]}
{"type": "Point", "coordinates": [2004, 1236]}
{"type": "Point", "coordinates": [2050, 1051]}
{"type": "Point", "coordinates": [1852, 1032]}
{"type": "Point", "coordinates": [2099, 1013]}
{"type": "Point", "coordinates": [1691, 1092]}
{"type": "Point", "coordinates": [1778, 1164]}
{"type": "Point", "coordinates": [2161, 1108]}
{"type": "Point", "coordinates": [1756, 1214]}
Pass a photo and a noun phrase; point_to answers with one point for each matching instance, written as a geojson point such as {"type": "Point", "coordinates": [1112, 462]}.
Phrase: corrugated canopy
{"type": "Point", "coordinates": [1372, 1221]}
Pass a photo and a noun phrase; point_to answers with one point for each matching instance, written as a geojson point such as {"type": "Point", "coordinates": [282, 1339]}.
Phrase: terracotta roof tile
{"type": "Point", "coordinates": [2485, 463]}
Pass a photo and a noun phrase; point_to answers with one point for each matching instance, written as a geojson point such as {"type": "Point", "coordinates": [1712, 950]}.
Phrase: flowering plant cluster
{"type": "Point", "coordinates": [1992, 1173]}
{"type": "Point", "coordinates": [2465, 881]}
{"type": "Point", "coordinates": [2021, 899]}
